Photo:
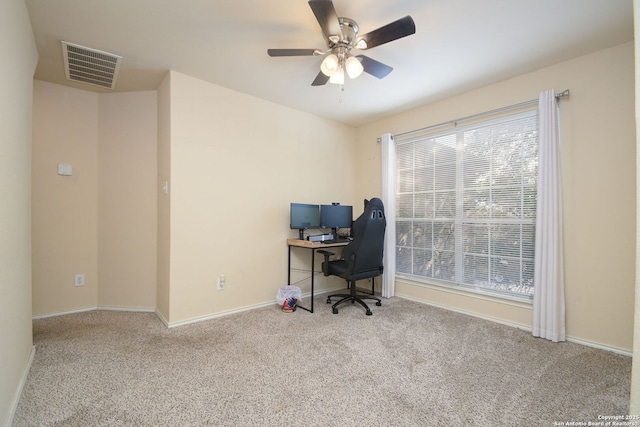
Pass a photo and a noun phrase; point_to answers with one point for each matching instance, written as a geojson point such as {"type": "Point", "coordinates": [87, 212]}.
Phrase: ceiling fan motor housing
{"type": "Point", "coordinates": [347, 39]}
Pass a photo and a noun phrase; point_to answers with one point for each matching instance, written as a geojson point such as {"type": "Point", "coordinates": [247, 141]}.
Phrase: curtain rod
{"type": "Point", "coordinates": [562, 94]}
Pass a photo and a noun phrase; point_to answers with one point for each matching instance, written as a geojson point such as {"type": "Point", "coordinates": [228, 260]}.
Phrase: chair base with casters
{"type": "Point", "coordinates": [353, 297]}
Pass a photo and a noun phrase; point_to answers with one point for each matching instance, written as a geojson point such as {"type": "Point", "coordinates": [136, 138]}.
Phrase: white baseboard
{"type": "Point", "coordinates": [468, 313]}
{"type": "Point", "coordinates": [23, 381]}
{"type": "Point", "coordinates": [98, 307]}
{"type": "Point", "coordinates": [600, 346]}
{"type": "Point", "coordinates": [527, 328]}
{"type": "Point", "coordinates": [324, 291]}
{"type": "Point", "coordinates": [62, 313]}
{"type": "Point", "coordinates": [162, 319]}
{"type": "Point", "coordinates": [215, 315]}
{"type": "Point", "coordinates": [234, 311]}
{"type": "Point", "coordinates": [151, 310]}
{"type": "Point", "coordinates": [182, 322]}
{"type": "Point", "coordinates": [134, 309]}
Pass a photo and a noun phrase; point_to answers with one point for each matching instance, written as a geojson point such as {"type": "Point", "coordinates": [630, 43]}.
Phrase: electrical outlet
{"type": "Point", "coordinates": [221, 283]}
{"type": "Point", "coordinates": [79, 280]}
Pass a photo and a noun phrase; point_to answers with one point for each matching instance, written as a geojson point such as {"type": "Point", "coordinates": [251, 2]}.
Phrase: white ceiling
{"type": "Point", "coordinates": [459, 45]}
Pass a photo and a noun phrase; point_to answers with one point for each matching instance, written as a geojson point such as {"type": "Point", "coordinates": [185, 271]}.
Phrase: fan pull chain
{"type": "Point", "coordinates": [341, 90]}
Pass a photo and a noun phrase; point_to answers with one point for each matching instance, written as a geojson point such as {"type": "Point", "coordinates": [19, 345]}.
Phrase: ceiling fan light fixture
{"type": "Point", "coordinates": [337, 77]}
{"type": "Point", "coordinates": [330, 65]}
{"type": "Point", "coordinates": [354, 67]}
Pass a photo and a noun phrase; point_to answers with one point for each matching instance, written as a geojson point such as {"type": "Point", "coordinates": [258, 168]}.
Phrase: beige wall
{"type": "Point", "coordinates": [222, 159]}
{"type": "Point", "coordinates": [65, 208]}
{"type": "Point", "coordinates": [233, 163]}
{"type": "Point", "coordinates": [236, 164]}
{"type": "Point", "coordinates": [101, 221]}
{"type": "Point", "coordinates": [127, 200]}
{"type": "Point", "coordinates": [164, 201]}
{"type": "Point", "coordinates": [16, 87]}
{"type": "Point", "coordinates": [599, 172]}
{"type": "Point", "coordinates": [228, 156]}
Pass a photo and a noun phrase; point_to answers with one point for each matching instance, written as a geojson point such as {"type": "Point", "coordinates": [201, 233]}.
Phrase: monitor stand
{"type": "Point", "coordinates": [301, 235]}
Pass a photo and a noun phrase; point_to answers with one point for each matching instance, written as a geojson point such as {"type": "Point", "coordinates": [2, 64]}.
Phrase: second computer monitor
{"type": "Point", "coordinates": [336, 216]}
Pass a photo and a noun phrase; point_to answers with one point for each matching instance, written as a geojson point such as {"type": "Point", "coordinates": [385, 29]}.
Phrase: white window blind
{"type": "Point", "coordinates": [466, 202]}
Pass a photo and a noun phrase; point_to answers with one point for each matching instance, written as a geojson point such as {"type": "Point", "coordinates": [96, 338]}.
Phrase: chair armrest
{"type": "Point", "coordinates": [325, 264]}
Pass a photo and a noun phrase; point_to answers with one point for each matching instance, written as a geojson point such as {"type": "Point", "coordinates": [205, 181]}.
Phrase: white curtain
{"type": "Point", "coordinates": [389, 200]}
{"type": "Point", "coordinates": [548, 299]}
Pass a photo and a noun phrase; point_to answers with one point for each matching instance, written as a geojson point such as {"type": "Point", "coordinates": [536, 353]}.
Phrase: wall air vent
{"type": "Point", "coordinates": [91, 66]}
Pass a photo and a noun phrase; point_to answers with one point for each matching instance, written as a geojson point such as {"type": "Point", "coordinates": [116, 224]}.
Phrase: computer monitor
{"type": "Point", "coordinates": [336, 216]}
{"type": "Point", "coordinates": [304, 216]}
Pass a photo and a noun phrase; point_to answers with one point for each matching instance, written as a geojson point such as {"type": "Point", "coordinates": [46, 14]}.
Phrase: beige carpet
{"type": "Point", "coordinates": [407, 365]}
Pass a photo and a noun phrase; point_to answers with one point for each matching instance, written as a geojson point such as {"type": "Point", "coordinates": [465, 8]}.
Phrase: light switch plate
{"type": "Point", "coordinates": [65, 169]}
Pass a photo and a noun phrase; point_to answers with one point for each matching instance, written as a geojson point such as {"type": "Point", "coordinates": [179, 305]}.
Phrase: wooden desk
{"type": "Point", "coordinates": [313, 246]}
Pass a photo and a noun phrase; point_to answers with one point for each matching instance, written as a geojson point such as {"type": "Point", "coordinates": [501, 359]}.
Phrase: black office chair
{"type": "Point", "coordinates": [362, 257]}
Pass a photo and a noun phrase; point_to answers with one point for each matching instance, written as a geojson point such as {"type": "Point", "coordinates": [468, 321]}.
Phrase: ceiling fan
{"type": "Point", "coordinates": [341, 35]}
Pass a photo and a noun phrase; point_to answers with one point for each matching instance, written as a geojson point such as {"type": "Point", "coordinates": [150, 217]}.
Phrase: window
{"type": "Point", "coordinates": [466, 206]}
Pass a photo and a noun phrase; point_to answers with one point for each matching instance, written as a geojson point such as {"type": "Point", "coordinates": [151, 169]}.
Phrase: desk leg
{"type": "Point", "coordinates": [313, 274]}
{"type": "Point", "coordinates": [289, 269]}
{"type": "Point", "coordinates": [312, 284]}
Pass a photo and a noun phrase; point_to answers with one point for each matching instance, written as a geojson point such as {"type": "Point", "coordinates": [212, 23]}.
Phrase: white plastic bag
{"type": "Point", "coordinates": [288, 292]}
